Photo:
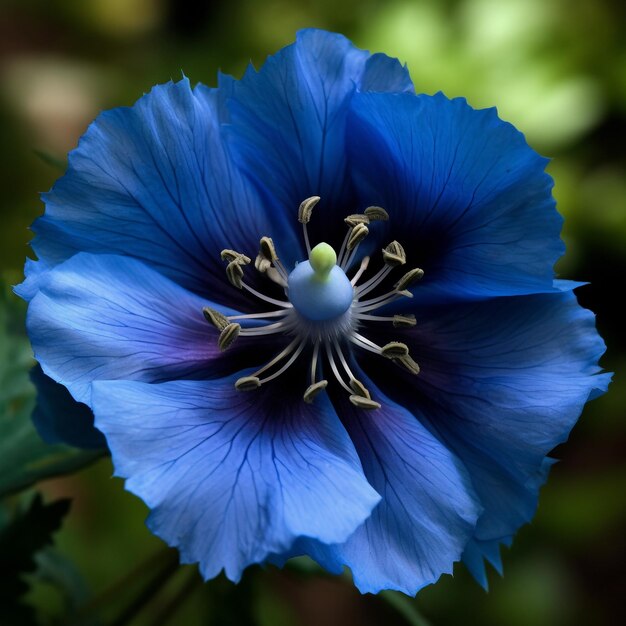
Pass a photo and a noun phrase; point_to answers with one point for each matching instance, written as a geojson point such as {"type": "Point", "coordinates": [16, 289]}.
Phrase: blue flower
{"type": "Point", "coordinates": [379, 392]}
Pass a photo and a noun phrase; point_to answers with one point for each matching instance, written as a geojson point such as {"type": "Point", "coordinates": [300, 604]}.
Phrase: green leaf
{"type": "Point", "coordinates": [26, 534]}
{"type": "Point", "coordinates": [24, 457]}
{"type": "Point", "coordinates": [405, 606]}
{"type": "Point", "coordinates": [51, 160]}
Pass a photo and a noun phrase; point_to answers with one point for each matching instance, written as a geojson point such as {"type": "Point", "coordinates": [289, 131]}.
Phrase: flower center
{"type": "Point", "coordinates": [324, 310]}
{"type": "Point", "coordinates": [318, 288]}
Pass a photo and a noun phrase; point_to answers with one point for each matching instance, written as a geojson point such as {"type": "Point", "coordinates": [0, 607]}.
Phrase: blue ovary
{"type": "Point", "coordinates": [319, 299]}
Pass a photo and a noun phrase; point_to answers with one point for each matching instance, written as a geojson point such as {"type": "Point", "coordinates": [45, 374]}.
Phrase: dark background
{"type": "Point", "coordinates": [554, 68]}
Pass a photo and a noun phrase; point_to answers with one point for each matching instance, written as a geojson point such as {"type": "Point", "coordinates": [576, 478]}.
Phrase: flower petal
{"type": "Point", "coordinates": [502, 383]}
{"type": "Point", "coordinates": [111, 317]}
{"type": "Point", "coordinates": [428, 509]}
{"type": "Point", "coordinates": [155, 181]}
{"type": "Point", "coordinates": [288, 119]}
{"type": "Point", "coordinates": [232, 476]}
{"type": "Point", "coordinates": [468, 199]}
{"type": "Point", "coordinates": [59, 418]}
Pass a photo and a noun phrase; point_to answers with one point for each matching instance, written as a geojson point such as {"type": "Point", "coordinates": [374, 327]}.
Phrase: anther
{"type": "Point", "coordinates": [313, 390]}
{"type": "Point", "coordinates": [408, 363]}
{"type": "Point", "coordinates": [268, 250]}
{"type": "Point", "coordinates": [410, 277]}
{"type": "Point", "coordinates": [376, 213]}
{"type": "Point", "coordinates": [404, 321]}
{"type": "Point", "coordinates": [234, 272]}
{"type": "Point", "coordinates": [306, 209]}
{"type": "Point", "coordinates": [359, 389]}
{"type": "Point", "coordinates": [247, 383]}
{"type": "Point", "coordinates": [232, 256]}
{"type": "Point", "coordinates": [357, 218]}
{"type": "Point", "coordinates": [394, 254]}
{"type": "Point", "coordinates": [364, 403]}
{"type": "Point", "coordinates": [262, 264]}
{"type": "Point", "coordinates": [216, 318]}
{"type": "Point", "coordinates": [394, 350]}
{"type": "Point", "coordinates": [228, 335]}
{"type": "Point", "coordinates": [359, 232]}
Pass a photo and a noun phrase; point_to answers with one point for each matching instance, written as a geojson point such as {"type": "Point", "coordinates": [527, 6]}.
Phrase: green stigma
{"type": "Point", "coordinates": [322, 259]}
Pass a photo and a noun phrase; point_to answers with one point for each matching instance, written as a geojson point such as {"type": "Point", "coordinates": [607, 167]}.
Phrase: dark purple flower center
{"type": "Point", "coordinates": [324, 308]}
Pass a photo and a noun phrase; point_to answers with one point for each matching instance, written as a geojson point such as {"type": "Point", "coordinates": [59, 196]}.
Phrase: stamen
{"type": "Point", "coordinates": [279, 357]}
{"type": "Point", "coordinates": [276, 276]}
{"type": "Point", "coordinates": [286, 366]}
{"type": "Point", "coordinates": [233, 255]}
{"type": "Point", "coordinates": [364, 403]}
{"type": "Point", "coordinates": [356, 219]}
{"type": "Point", "coordinates": [404, 321]}
{"type": "Point", "coordinates": [342, 358]}
{"type": "Point", "coordinates": [376, 213]}
{"type": "Point", "coordinates": [399, 321]}
{"type": "Point", "coordinates": [252, 316]}
{"type": "Point", "coordinates": [394, 254]}
{"type": "Point", "coordinates": [313, 390]}
{"type": "Point", "coordinates": [373, 282]}
{"type": "Point", "coordinates": [316, 351]}
{"type": "Point", "coordinates": [234, 272]}
{"type": "Point", "coordinates": [258, 294]}
{"type": "Point", "coordinates": [364, 263]}
{"type": "Point", "coordinates": [269, 329]}
{"type": "Point", "coordinates": [261, 263]}
{"type": "Point", "coordinates": [377, 303]}
{"type": "Point", "coordinates": [304, 215]}
{"type": "Point", "coordinates": [410, 277]}
{"type": "Point", "coordinates": [394, 350]}
{"type": "Point", "coordinates": [216, 318]}
{"type": "Point", "coordinates": [359, 232]}
{"type": "Point", "coordinates": [333, 366]}
{"type": "Point", "coordinates": [409, 364]}
{"type": "Point", "coordinates": [359, 389]}
{"type": "Point", "coordinates": [342, 250]}
{"type": "Point", "coordinates": [228, 336]}
{"type": "Point", "coordinates": [268, 250]}
{"type": "Point", "coordinates": [365, 343]}
{"type": "Point", "coordinates": [247, 383]}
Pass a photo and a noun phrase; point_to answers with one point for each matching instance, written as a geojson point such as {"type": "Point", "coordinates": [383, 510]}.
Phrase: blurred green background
{"type": "Point", "coordinates": [554, 68]}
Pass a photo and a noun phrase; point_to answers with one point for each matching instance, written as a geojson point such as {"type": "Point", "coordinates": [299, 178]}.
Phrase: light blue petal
{"type": "Point", "coordinates": [428, 510]}
{"type": "Point", "coordinates": [289, 118]}
{"type": "Point", "coordinates": [467, 197]}
{"type": "Point", "coordinates": [111, 317]}
{"type": "Point", "coordinates": [501, 384]}
{"type": "Point", "coordinates": [232, 477]}
{"type": "Point", "coordinates": [155, 181]}
{"type": "Point", "coordinates": [58, 418]}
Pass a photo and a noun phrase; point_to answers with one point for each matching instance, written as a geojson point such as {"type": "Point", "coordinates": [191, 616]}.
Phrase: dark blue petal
{"type": "Point", "coordinates": [502, 383]}
{"type": "Point", "coordinates": [232, 477]}
{"type": "Point", "coordinates": [468, 198]}
{"type": "Point", "coordinates": [155, 181]}
{"type": "Point", "coordinates": [58, 418]}
{"type": "Point", "coordinates": [288, 119]}
{"type": "Point", "coordinates": [110, 317]}
{"type": "Point", "coordinates": [428, 509]}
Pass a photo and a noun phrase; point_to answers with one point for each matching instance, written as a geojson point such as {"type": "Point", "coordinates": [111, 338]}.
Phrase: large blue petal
{"type": "Point", "coordinates": [155, 181]}
{"type": "Point", "coordinates": [111, 317]}
{"type": "Point", "coordinates": [59, 418]}
{"type": "Point", "coordinates": [232, 477]}
{"type": "Point", "coordinates": [428, 510]}
{"type": "Point", "coordinates": [502, 383]}
{"type": "Point", "coordinates": [289, 119]}
{"type": "Point", "coordinates": [468, 198]}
